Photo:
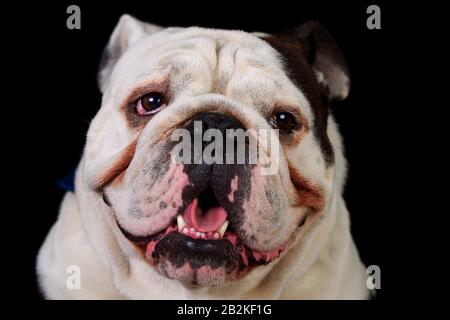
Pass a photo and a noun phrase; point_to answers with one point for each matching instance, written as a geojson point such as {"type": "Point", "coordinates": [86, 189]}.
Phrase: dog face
{"type": "Point", "coordinates": [207, 223]}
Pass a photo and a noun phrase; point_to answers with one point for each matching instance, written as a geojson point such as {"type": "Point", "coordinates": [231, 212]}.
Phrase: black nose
{"type": "Point", "coordinates": [226, 126]}
{"type": "Point", "coordinates": [219, 121]}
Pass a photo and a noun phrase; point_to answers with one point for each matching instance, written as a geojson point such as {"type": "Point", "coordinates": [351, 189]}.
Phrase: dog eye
{"type": "Point", "coordinates": [285, 122]}
{"type": "Point", "coordinates": [150, 103]}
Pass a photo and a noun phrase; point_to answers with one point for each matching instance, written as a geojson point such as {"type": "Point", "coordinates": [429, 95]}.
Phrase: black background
{"type": "Point", "coordinates": [59, 96]}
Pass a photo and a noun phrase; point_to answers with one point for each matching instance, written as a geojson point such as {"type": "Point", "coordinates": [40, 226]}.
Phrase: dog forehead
{"type": "Point", "coordinates": [203, 40]}
{"type": "Point", "coordinates": [193, 50]}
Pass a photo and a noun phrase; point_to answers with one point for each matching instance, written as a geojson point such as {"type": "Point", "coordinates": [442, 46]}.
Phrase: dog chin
{"type": "Point", "coordinates": [198, 257]}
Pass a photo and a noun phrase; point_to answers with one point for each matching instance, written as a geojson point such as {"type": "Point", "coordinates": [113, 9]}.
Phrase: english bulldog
{"type": "Point", "coordinates": [140, 225]}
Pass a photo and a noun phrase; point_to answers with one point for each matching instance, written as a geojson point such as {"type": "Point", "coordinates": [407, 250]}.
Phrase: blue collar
{"type": "Point", "coordinates": [68, 182]}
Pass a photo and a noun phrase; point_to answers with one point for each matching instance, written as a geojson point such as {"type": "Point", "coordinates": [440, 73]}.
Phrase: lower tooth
{"type": "Point", "coordinates": [223, 228]}
{"type": "Point", "coordinates": [180, 222]}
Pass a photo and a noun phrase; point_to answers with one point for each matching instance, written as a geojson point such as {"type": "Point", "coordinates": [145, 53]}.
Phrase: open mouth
{"type": "Point", "coordinates": [202, 236]}
{"type": "Point", "coordinates": [204, 218]}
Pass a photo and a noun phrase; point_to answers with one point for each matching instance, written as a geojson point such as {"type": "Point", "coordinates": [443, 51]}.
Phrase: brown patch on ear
{"type": "Point", "coordinates": [307, 194]}
{"type": "Point", "coordinates": [117, 170]}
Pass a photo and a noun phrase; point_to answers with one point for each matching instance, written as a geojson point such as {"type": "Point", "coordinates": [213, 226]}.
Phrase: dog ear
{"type": "Point", "coordinates": [327, 60]}
{"type": "Point", "coordinates": [127, 31]}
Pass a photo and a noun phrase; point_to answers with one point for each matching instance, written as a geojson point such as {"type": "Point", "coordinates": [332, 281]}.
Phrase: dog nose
{"type": "Point", "coordinates": [216, 157]}
{"type": "Point", "coordinates": [218, 121]}
{"type": "Point", "coordinates": [220, 130]}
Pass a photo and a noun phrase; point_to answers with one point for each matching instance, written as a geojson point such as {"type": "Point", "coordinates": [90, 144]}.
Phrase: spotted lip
{"type": "Point", "coordinates": [180, 248]}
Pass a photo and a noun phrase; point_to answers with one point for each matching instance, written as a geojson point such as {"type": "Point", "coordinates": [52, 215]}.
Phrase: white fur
{"type": "Point", "coordinates": [322, 263]}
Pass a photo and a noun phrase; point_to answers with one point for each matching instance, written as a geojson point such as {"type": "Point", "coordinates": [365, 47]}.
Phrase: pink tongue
{"type": "Point", "coordinates": [207, 221]}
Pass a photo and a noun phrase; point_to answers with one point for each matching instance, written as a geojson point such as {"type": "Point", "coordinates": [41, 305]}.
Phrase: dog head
{"type": "Point", "coordinates": [205, 223]}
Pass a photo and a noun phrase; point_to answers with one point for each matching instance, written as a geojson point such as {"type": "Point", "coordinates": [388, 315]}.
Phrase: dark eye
{"type": "Point", "coordinates": [285, 122]}
{"type": "Point", "coordinates": [150, 103]}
